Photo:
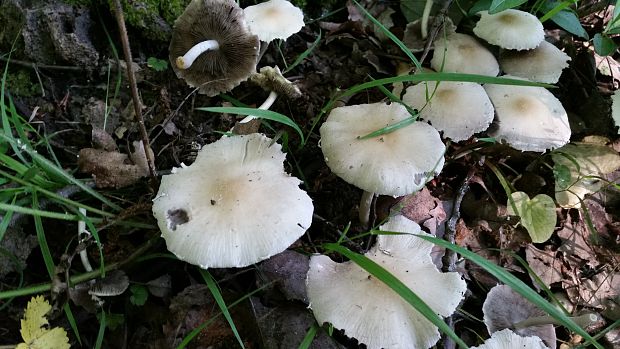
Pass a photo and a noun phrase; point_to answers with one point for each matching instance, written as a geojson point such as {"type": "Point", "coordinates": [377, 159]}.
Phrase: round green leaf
{"type": "Point", "coordinates": [537, 215]}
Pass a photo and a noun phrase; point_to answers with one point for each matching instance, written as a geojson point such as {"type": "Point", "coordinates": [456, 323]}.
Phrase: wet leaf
{"type": "Point", "coordinates": [604, 45]}
{"type": "Point", "coordinates": [537, 215]}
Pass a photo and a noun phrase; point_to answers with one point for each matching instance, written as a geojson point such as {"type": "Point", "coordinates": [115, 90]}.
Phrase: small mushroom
{"type": "Point", "coordinates": [395, 163]}
{"type": "Point", "coordinates": [459, 109]}
{"type": "Point", "coordinates": [211, 47]}
{"type": "Point", "coordinates": [371, 311]}
{"type": "Point", "coordinates": [233, 206]}
{"type": "Point", "coordinates": [461, 53]}
{"type": "Point", "coordinates": [510, 29]}
{"type": "Point", "coordinates": [529, 118]}
{"type": "Point", "coordinates": [506, 339]}
{"type": "Point", "coordinates": [274, 19]}
{"type": "Point", "coordinates": [543, 64]}
{"type": "Point", "coordinates": [504, 308]}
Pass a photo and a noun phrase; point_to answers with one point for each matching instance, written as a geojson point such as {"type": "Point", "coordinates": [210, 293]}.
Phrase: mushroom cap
{"type": "Point", "coordinates": [503, 308]}
{"type": "Point", "coordinates": [396, 163]}
{"type": "Point", "coordinates": [530, 118]}
{"type": "Point", "coordinates": [459, 109]}
{"type": "Point", "coordinates": [220, 70]}
{"type": "Point", "coordinates": [371, 311]}
{"type": "Point", "coordinates": [462, 53]}
{"type": "Point", "coordinates": [274, 19]}
{"type": "Point", "coordinates": [221, 211]}
{"type": "Point", "coordinates": [543, 64]}
{"type": "Point", "coordinates": [506, 339]}
{"type": "Point", "coordinates": [510, 29]}
{"type": "Point", "coordinates": [615, 108]}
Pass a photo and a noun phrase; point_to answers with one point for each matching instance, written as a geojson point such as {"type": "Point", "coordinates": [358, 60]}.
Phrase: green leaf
{"type": "Point", "coordinates": [139, 295]}
{"type": "Point", "coordinates": [400, 288]}
{"type": "Point", "coordinates": [569, 21]}
{"type": "Point", "coordinates": [517, 285]}
{"type": "Point", "coordinates": [157, 64]}
{"type": "Point", "coordinates": [412, 9]}
{"type": "Point", "coordinates": [304, 54]}
{"type": "Point", "coordinates": [562, 176]}
{"type": "Point", "coordinates": [537, 215]}
{"type": "Point", "coordinates": [258, 113]}
{"type": "Point", "coordinates": [480, 5]}
{"type": "Point", "coordinates": [604, 45]}
{"type": "Point", "coordinates": [501, 5]}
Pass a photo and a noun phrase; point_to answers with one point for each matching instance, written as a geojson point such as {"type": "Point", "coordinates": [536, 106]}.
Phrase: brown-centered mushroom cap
{"type": "Point", "coordinates": [217, 70]}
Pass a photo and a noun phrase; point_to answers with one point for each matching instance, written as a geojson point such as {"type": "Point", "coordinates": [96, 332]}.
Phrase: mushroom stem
{"type": "Point", "coordinates": [266, 105]}
{"type": "Point", "coordinates": [425, 16]}
{"type": "Point", "coordinates": [186, 61]}
{"type": "Point", "coordinates": [364, 210]}
{"type": "Point", "coordinates": [583, 321]}
{"type": "Point", "coordinates": [82, 230]}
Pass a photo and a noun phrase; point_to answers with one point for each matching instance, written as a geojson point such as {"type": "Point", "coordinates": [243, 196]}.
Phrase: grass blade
{"type": "Point", "coordinates": [309, 337]}
{"type": "Point", "coordinates": [212, 285]}
{"type": "Point", "coordinates": [401, 289]}
{"type": "Point", "coordinates": [45, 250]}
{"type": "Point", "coordinates": [303, 55]}
{"type": "Point", "coordinates": [517, 285]}
{"type": "Point", "coordinates": [259, 113]}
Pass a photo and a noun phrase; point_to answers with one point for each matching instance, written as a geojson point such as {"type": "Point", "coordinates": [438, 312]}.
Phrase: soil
{"type": "Point", "coordinates": [63, 97]}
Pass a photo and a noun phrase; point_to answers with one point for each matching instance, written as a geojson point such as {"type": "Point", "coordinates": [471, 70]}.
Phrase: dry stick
{"type": "Point", "coordinates": [137, 105]}
{"type": "Point", "coordinates": [449, 258]}
{"type": "Point", "coordinates": [437, 23]}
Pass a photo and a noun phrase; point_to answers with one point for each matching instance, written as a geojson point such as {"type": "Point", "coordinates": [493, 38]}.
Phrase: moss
{"type": "Point", "coordinates": [20, 83]}
{"type": "Point", "coordinates": [154, 17]}
{"type": "Point", "coordinates": [172, 9]}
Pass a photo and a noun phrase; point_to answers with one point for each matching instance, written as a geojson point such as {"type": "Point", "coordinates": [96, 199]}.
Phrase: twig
{"type": "Point", "coordinates": [137, 104]}
{"type": "Point", "coordinates": [449, 257]}
{"type": "Point", "coordinates": [437, 24]}
{"type": "Point", "coordinates": [42, 66]}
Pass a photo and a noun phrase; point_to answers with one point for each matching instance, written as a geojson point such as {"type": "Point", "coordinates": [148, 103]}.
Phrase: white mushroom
{"type": "Point", "coordinates": [274, 19]}
{"type": "Point", "coordinates": [506, 339]}
{"type": "Point", "coordinates": [504, 308]}
{"type": "Point", "coordinates": [543, 64]}
{"type": "Point", "coordinates": [530, 118]}
{"type": "Point", "coordinates": [461, 53]}
{"type": "Point", "coordinates": [459, 109]}
{"type": "Point", "coordinates": [371, 311]}
{"type": "Point", "coordinates": [233, 206]}
{"type": "Point", "coordinates": [510, 29]}
{"type": "Point", "coordinates": [396, 163]}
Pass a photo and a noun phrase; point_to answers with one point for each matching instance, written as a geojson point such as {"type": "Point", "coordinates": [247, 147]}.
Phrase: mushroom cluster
{"type": "Point", "coordinates": [527, 118]}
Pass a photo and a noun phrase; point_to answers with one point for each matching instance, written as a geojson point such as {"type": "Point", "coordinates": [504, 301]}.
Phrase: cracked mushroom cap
{"type": "Point", "coordinates": [274, 19]}
{"type": "Point", "coordinates": [461, 53]}
{"type": "Point", "coordinates": [351, 299]}
{"type": "Point", "coordinates": [504, 308]}
{"type": "Point", "coordinates": [396, 163]}
{"type": "Point", "coordinates": [529, 118]}
{"type": "Point", "coordinates": [233, 206]}
{"type": "Point", "coordinates": [218, 70]}
{"type": "Point", "coordinates": [543, 64]}
{"type": "Point", "coordinates": [510, 29]}
{"type": "Point", "coordinates": [459, 109]}
{"type": "Point", "coordinates": [506, 339]}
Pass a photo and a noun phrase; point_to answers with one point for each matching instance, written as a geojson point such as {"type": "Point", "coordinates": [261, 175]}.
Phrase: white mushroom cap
{"type": "Point", "coordinates": [543, 64]}
{"type": "Point", "coordinates": [504, 308]}
{"type": "Point", "coordinates": [530, 118]}
{"type": "Point", "coordinates": [506, 339]}
{"type": "Point", "coordinates": [615, 108]}
{"type": "Point", "coordinates": [397, 163]}
{"type": "Point", "coordinates": [461, 53]}
{"type": "Point", "coordinates": [371, 311]}
{"type": "Point", "coordinates": [274, 19]}
{"type": "Point", "coordinates": [459, 109]}
{"type": "Point", "coordinates": [510, 29]}
{"type": "Point", "coordinates": [233, 206]}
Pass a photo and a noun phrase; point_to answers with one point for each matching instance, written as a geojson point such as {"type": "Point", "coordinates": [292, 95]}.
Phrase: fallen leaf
{"type": "Point", "coordinates": [544, 263]}
{"type": "Point", "coordinates": [112, 169]}
{"type": "Point", "coordinates": [33, 330]}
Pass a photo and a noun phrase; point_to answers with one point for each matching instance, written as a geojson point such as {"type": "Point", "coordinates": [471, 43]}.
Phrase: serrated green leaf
{"type": "Point", "coordinates": [501, 5]}
{"type": "Point", "coordinates": [139, 295]}
{"type": "Point", "coordinates": [604, 45]}
{"type": "Point", "coordinates": [157, 64]}
{"type": "Point", "coordinates": [537, 215]}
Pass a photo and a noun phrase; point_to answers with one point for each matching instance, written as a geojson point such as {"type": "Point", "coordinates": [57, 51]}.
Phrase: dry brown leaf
{"type": "Point", "coordinates": [544, 264]}
{"type": "Point", "coordinates": [112, 169]}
